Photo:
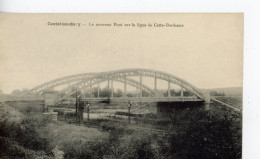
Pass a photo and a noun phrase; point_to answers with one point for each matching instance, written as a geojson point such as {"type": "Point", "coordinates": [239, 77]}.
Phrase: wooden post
{"type": "Point", "coordinates": [81, 111]}
{"type": "Point", "coordinates": [88, 111]}
{"type": "Point", "coordinates": [129, 107]}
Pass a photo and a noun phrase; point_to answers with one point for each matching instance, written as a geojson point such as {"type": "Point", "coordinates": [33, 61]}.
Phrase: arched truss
{"type": "Point", "coordinates": [57, 82]}
{"type": "Point", "coordinates": [83, 78]}
{"type": "Point", "coordinates": [141, 72]}
{"type": "Point", "coordinates": [92, 81]}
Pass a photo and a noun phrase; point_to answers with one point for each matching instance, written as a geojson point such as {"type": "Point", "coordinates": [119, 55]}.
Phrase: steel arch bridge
{"type": "Point", "coordinates": [82, 81]}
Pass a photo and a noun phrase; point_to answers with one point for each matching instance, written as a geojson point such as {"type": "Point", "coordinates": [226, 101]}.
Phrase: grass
{"type": "Point", "coordinates": [33, 136]}
{"type": "Point", "coordinates": [63, 133]}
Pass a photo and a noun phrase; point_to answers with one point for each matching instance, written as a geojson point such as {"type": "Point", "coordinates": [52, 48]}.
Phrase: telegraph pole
{"type": "Point", "coordinates": [76, 102]}
{"type": "Point", "coordinates": [129, 107]}
{"type": "Point", "coordinates": [88, 111]}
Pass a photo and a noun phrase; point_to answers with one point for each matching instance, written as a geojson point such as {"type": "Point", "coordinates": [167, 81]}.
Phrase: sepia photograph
{"type": "Point", "coordinates": [121, 86]}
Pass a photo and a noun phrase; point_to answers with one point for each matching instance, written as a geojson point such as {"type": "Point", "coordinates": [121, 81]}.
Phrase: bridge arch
{"type": "Point", "coordinates": [80, 79]}
{"type": "Point", "coordinates": [59, 81]}
{"type": "Point", "coordinates": [140, 72]}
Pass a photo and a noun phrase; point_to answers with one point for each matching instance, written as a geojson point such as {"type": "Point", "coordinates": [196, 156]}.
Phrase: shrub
{"type": "Point", "coordinates": [209, 135]}
{"type": "Point", "coordinates": [20, 138]}
{"type": "Point", "coordinates": [75, 141]}
{"type": "Point", "coordinates": [10, 114]}
{"type": "Point", "coordinates": [13, 149]}
{"type": "Point", "coordinates": [15, 142]}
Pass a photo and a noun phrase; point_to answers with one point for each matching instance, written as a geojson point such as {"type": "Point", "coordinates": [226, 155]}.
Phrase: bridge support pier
{"type": "Point", "coordinates": [207, 100]}
{"type": "Point", "coordinates": [206, 105]}
{"type": "Point", "coordinates": [50, 98]}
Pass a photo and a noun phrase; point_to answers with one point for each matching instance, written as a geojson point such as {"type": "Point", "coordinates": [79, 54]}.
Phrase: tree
{"type": "Point", "coordinates": [118, 93]}
{"type": "Point", "coordinates": [215, 93]}
{"type": "Point", "coordinates": [74, 89]}
{"type": "Point", "coordinates": [16, 92]}
{"type": "Point", "coordinates": [187, 93]}
{"type": "Point", "coordinates": [129, 95]}
{"type": "Point", "coordinates": [106, 92]}
{"type": "Point", "coordinates": [145, 94]}
{"type": "Point", "coordinates": [172, 93]}
{"type": "Point", "coordinates": [95, 91]}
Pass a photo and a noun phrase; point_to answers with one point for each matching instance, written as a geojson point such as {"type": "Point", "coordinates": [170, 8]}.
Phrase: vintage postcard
{"type": "Point", "coordinates": [121, 86]}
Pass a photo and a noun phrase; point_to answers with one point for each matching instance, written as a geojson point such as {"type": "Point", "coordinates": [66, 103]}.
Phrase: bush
{"type": "Point", "coordinates": [10, 148]}
{"type": "Point", "coordinates": [209, 135]}
{"type": "Point", "coordinates": [20, 138]}
{"type": "Point", "coordinates": [9, 114]}
{"type": "Point", "coordinates": [75, 141]}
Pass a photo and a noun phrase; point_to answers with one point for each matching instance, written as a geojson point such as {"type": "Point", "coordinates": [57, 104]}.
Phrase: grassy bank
{"type": "Point", "coordinates": [192, 133]}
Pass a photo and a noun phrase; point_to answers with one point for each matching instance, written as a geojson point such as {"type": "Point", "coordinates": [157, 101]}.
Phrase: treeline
{"type": "Point", "coordinates": [216, 93]}
{"type": "Point", "coordinates": [105, 92]}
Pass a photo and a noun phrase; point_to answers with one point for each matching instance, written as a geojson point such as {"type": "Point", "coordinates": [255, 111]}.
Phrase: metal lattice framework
{"type": "Point", "coordinates": [89, 79]}
{"type": "Point", "coordinates": [57, 82]}
{"type": "Point", "coordinates": [92, 81]}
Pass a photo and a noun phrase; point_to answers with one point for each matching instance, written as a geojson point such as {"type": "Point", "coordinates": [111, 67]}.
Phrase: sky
{"type": "Point", "coordinates": [207, 51]}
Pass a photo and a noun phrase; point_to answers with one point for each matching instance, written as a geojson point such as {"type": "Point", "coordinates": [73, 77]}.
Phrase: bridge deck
{"type": "Point", "coordinates": [143, 99]}
{"type": "Point", "coordinates": [115, 99]}
{"type": "Point", "coordinates": [10, 98]}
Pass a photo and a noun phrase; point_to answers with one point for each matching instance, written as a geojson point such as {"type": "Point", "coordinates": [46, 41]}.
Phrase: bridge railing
{"type": "Point", "coordinates": [140, 99]}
